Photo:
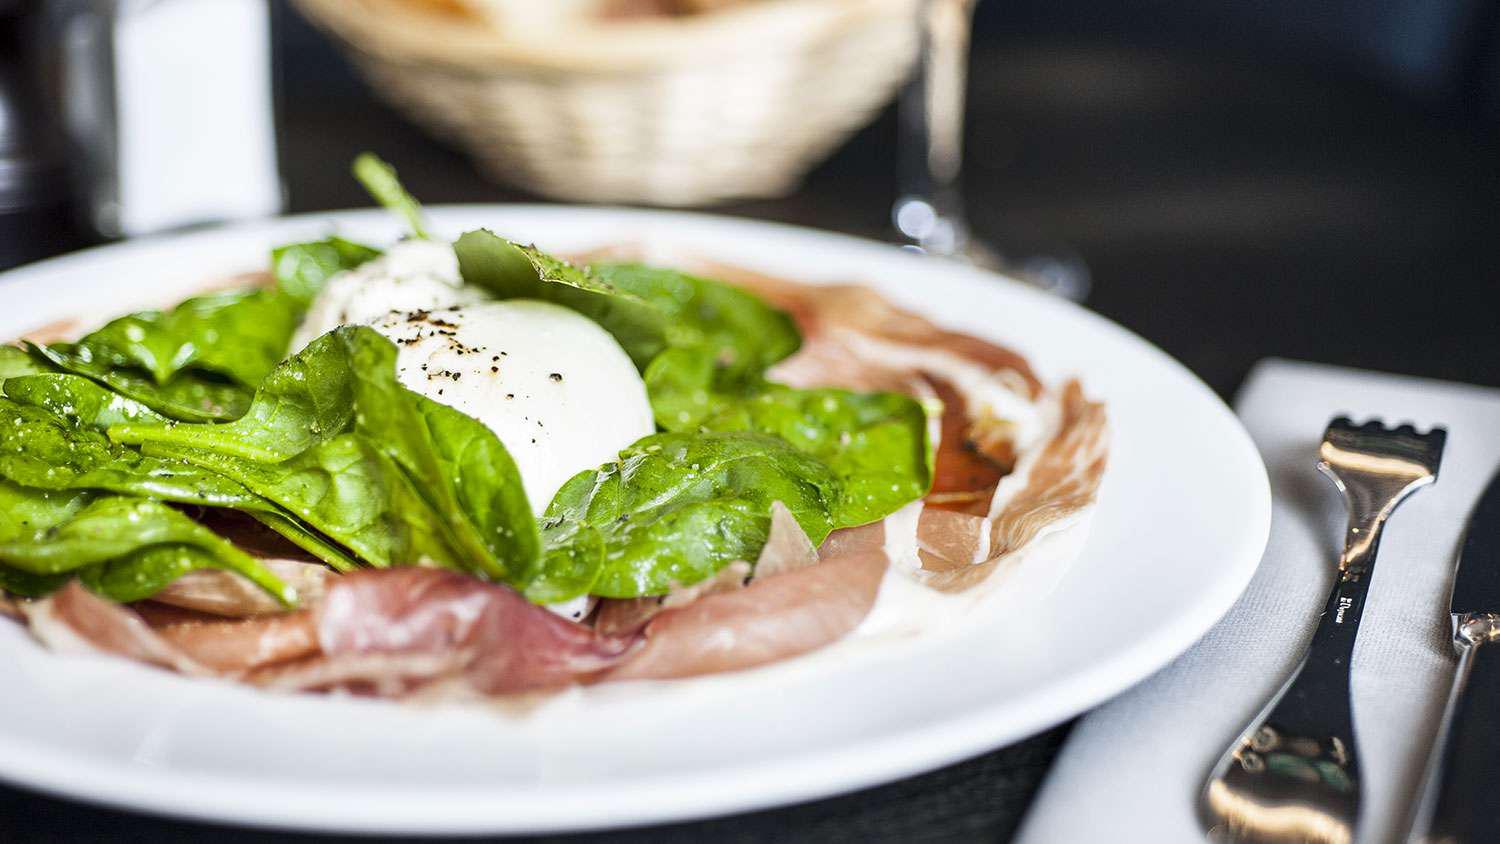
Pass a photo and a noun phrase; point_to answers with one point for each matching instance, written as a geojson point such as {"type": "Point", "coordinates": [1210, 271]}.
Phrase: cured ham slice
{"type": "Point", "coordinates": [381, 625]}
{"type": "Point", "coordinates": [227, 594]}
{"type": "Point", "coordinates": [773, 618]}
{"type": "Point", "coordinates": [233, 646]}
{"type": "Point", "coordinates": [75, 620]}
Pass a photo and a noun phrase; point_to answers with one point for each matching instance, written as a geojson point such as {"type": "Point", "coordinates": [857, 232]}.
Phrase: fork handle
{"type": "Point", "coordinates": [1316, 701]}
{"type": "Point", "coordinates": [1461, 803]}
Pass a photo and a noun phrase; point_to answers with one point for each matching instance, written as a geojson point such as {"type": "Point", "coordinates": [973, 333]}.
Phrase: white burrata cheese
{"type": "Point", "coordinates": [556, 388]}
{"type": "Point", "coordinates": [412, 275]}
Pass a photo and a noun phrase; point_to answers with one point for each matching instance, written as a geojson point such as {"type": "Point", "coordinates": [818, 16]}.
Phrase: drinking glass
{"type": "Point", "coordinates": [929, 210]}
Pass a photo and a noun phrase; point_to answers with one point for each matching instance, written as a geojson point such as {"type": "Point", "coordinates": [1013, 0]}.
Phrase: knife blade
{"type": "Point", "coordinates": [1461, 797]}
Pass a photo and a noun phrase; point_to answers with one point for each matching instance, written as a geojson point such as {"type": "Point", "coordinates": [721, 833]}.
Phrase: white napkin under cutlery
{"type": "Point", "coordinates": [1132, 769]}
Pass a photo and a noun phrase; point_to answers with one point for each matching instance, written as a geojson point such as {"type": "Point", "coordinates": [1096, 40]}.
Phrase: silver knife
{"type": "Point", "coordinates": [1461, 796]}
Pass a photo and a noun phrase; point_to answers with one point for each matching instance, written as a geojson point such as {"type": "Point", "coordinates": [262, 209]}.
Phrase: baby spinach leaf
{"type": "Point", "coordinates": [458, 465]}
{"type": "Point", "coordinates": [189, 396]}
{"type": "Point", "coordinates": [876, 443]}
{"type": "Point", "coordinates": [38, 449]}
{"type": "Point", "coordinates": [16, 361]}
{"type": "Point", "coordinates": [142, 573]}
{"type": "Point", "coordinates": [347, 490]}
{"type": "Point", "coordinates": [78, 400]}
{"type": "Point", "coordinates": [25, 512]}
{"type": "Point", "coordinates": [307, 398]}
{"type": "Point", "coordinates": [301, 269]}
{"type": "Point", "coordinates": [738, 329]}
{"type": "Point", "coordinates": [240, 335]}
{"type": "Point", "coordinates": [113, 527]}
{"type": "Point", "coordinates": [379, 178]}
{"type": "Point", "coordinates": [307, 539]}
{"type": "Point", "coordinates": [677, 507]}
{"type": "Point", "coordinates": [511, 271]}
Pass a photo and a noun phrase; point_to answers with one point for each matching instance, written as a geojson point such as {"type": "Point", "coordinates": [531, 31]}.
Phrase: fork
{"type": "Point", "coordinates": [1293, 773]}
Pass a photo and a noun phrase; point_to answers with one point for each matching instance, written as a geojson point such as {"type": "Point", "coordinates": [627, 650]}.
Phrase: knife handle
{"type": "Point", "coordinates": [1462, 797]}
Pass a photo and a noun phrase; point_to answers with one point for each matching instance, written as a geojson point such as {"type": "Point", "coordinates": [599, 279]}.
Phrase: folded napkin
{"type": "Point", "coordinates": [1133, 768]}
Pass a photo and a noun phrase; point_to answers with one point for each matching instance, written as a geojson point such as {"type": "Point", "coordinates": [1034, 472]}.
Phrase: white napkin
{"type": "Point", "coordinates": [1133, 768]}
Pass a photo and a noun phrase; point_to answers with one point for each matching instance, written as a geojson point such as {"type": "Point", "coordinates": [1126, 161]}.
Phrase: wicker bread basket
{"type": "Point", "coordinates": [668, 111]}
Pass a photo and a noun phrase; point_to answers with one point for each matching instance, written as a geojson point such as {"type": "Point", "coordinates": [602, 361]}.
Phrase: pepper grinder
{"type": "Point", "coordinates": [37, 215]}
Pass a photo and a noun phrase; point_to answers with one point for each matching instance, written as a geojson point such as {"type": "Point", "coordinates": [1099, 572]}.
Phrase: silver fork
{"type": "Point", "coordinates": [1293, 774]}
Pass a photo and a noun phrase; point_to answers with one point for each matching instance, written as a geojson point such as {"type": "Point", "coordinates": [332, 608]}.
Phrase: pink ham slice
{"type": "Point", "coordinates": [75, 620]}
{"type": "Point", "coordinates": [773, 618]}
{"type": "Point", "coordinates": [233, 646]}
{"type": "Point", "coordinates": [406, 626]}
{"type": "Point", "coordinates": [226, 594]}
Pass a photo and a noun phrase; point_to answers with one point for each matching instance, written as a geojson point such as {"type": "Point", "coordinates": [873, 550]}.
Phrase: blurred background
{"type": "Point", "coordinates": [1238, 179]}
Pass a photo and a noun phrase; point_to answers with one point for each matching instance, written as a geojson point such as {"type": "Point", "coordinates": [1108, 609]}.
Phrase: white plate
{"type": "Point", "coordinates": [1182, 520]}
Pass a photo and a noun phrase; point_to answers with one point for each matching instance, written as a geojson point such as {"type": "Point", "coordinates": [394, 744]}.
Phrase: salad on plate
{"type": "Point", "coordinates": [474, 469]}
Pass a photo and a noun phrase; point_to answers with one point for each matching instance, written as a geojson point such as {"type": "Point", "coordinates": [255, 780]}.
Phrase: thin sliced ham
{"type": "Point", "coordinates": [233, 646]}
{"type": "Point", "coordinates": [773, 618]}
{"type": "Point", "coordinates": [227, 594]}
{"type": "Point", "coordinates": [75, 620]}
{"type": "Point", "coordinates": [497, 640]}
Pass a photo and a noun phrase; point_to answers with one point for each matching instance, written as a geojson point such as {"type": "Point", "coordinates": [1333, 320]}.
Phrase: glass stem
{"type": "Point", "coordinates": [929, 210]}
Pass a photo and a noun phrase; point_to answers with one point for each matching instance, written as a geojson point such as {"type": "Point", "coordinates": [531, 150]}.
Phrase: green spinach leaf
{"type": "Point", "coordinates": [347, 490]}
{"type": "Point", "coordinates": [16, 361]}
{"type": "Point", "coordinates": [239, 335]}
{"type": "Point", "coordinates": [301, 269]}
{"type": "Point", "coordinates": [511, 271]}
{"type": "Point", "coordinates": [308, 398]}
{"type": "Point", "coordinates": [676, 508]}
{"type": "Point", "coordinates": [38, 449]}
{"type": "Point", "coordinates": [114, 527]}
{"type": "Point", "coordinates": [189, 396]}
{"type": "Point", "coordinates": [738, 330]}
{"type": "Point", "coordinates": [379, 178]}
{"type": "Point", "coordinates": [78, 400]}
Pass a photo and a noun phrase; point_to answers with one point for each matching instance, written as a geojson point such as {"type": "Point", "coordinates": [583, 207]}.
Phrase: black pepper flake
{"type": "Point", "coordinates": [440, 391]}
{"type": "Point", "coordinates": [494, 369]}
{"type": "Point", "coordinates": [556, 376]}
{"type": "Point", "coordinates": [510, 395]}
{"type": "Point", "coordinates": [496, 357]}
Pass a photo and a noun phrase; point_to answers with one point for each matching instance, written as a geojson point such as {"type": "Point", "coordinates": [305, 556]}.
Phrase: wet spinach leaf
{"type": "Point", "coordinates": [307, 398]}
{"type": "Point", "coordinates": [115, 527]}
{"type": "Point", "coordinates": [301, 269]}
{"type": "Point", "coordinates": [38, 449]}
{"type": "Point", "coordinates": [239, 335]}
{"type": "Point", "coordinates": [677, 507]}
{"type": "Point", "coordinates": [876, 443]}
{"type": "Point", "coordinates": [78, 400]}
{"type": "Point", "coordinates": [190, 396]}
{"type": "Point", "coordinates": [512, 271]}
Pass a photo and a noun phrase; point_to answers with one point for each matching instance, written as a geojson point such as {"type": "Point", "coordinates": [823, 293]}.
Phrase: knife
{"type": "Point", "coordinates": [1461, 797]}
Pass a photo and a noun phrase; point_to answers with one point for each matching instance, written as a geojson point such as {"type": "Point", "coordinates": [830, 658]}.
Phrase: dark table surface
{"type": "Point", "coordinates": [1229, 210]}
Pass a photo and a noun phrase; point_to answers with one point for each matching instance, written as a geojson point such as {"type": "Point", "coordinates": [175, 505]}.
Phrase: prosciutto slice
{"type": "Point", "coordinates": [75, 620]}
{"type": "Point", "coordinates": [773, 618]}
{"type": "Point", "coordinates": [406, 626]}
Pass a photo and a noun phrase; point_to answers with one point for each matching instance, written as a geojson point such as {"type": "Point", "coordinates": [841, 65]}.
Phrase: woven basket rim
{"type": "Point", "coordinates": [392, 30]}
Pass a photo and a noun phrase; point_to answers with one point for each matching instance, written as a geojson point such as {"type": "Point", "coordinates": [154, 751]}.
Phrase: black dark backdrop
{"type": "Point", "coordinates": [1306, 179]}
